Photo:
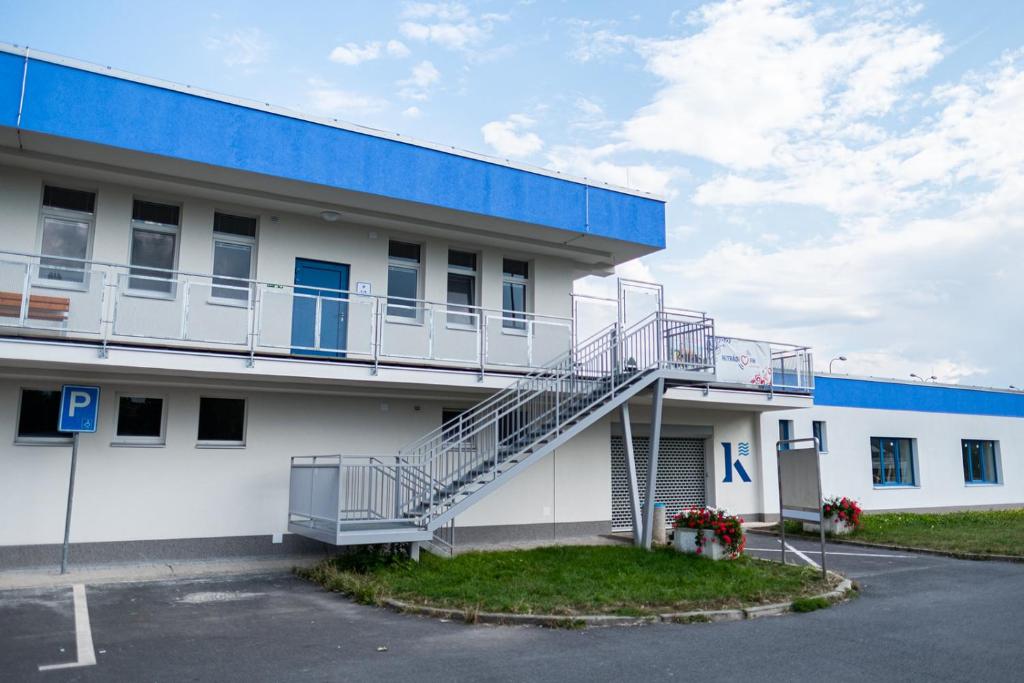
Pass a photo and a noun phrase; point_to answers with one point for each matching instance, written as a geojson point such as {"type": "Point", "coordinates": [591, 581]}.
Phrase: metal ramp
{"type": "Point", "coordinates": [352, 500]}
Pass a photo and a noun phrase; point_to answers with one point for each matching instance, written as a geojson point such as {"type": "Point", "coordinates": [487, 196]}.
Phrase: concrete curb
{"type": "Point", "coordinates": [143, 573]}
{"type": "Point", "coordinates": [839, 593]}
{"type": "Point", "coordinates": [976, 557]}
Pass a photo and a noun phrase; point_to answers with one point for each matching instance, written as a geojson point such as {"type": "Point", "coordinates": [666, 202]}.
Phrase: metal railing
{"type": "Point", "coordinates": [449, 464]}
{"type": "Point", "coordinates": [112, 303]}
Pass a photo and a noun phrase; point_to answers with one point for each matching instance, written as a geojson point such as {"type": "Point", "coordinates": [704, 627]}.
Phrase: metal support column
{"type": "Point", "coordinates": [634, 489]}
{"type": "Point", "coordinates": [652, 467]}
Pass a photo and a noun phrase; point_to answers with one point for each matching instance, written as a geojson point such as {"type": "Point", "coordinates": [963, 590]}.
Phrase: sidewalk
{"type": "Point", "coordinates": [50, 577]}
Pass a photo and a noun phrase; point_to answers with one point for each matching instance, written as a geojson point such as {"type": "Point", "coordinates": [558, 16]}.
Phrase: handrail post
{"type": "Point", "coordinates": [398, 488]}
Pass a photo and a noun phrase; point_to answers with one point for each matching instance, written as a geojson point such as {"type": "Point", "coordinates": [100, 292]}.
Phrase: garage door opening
{"type": "Point", "coordinates": [681, 480]}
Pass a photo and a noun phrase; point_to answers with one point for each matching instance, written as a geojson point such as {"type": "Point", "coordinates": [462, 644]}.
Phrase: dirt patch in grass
{"type": "Point", "coordinates": [567, 580]}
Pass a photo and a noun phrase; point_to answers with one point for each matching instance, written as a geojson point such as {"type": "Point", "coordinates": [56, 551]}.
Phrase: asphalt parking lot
{"type": "Point", "coordinates": [918, 617]}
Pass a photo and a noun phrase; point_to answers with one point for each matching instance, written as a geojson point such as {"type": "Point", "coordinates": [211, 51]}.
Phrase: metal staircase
{"type": "Point", "coordinates": [351, 500]}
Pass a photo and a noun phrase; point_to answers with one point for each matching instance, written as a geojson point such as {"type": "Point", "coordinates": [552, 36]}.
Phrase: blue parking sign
{"type": "Point", "coordinates": [79, 408]}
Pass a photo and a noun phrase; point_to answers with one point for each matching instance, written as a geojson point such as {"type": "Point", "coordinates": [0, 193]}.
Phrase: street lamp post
{"type": "Point", "coordinates": [837, 358]}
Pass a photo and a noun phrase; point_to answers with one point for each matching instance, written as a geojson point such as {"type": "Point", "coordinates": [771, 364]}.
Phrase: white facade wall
{"type": "Point", "coordinates": [363, 247]}
{"type": "Point", "coordinates": [846, 467]}
{"type": "Point", "coordinates": [180, 490]}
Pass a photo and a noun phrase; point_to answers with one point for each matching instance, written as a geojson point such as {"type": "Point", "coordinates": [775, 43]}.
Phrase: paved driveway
{"type": "Point", "coordinates": [918, 618]}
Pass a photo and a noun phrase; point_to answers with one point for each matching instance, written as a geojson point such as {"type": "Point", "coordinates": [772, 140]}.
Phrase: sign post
{"type": "Point", "coordinates": [79, 410]}
{"type": "Point", "coordinates": [800, 479]}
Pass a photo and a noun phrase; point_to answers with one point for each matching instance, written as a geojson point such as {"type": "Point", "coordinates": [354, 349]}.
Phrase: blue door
{"type": "Point", "coordinates": [316, 289]}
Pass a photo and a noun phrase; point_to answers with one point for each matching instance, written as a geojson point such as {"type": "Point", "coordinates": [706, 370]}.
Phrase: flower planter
{"type": "Point", "coordinates": [685, 541]}
{"type": "Point", "coordinates": [833, 525]}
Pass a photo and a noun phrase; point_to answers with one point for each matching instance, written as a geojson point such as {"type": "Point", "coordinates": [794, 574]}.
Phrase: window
{"type": "Point", "coordinates": [65, 233]}
{"type": "Point", "coordinates": [892, 461]}
{"type": "Point", "coordinates": [821, 434]}
{"type": "Point", "coordinates": [450, 431]}
{"type": "Point", "coordinates": [515, 278]}
{"type": "Point", "coordinates": [403, 279]}
{"type": "Point", "coordinates": [980, 461]}
{"type": "Point", "coordinates": [154, 246]}
{"type": "Point", "coordinates": [140, 419]}
{"type": "Point", "coordinates": [234, 241]}
{"type": "Point", "coordinates": [221, 421]}
{"type": "Point", "coordinates": [785, 434]}
{"type": "Point", "coordinates": [38, 413]}
{"type": "Point", "coordinates": [462, 288]}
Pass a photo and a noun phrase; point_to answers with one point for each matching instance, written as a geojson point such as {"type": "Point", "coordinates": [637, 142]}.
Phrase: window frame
{"type": "Point", "coordinates": [229, 444]}
{"type": "Point", "coordinates": [416, 302]}
{"type": "Point", "coordinates": [785, 434]}
{"type": "Point", "coordinates": [510, 324]}
{"type": "Point", "coordinates": [821, 434]}
{"type": "Point", "coordinates": [996, 462]}
{"type": "Point", "coordinates": [58, 213]}
{"type": "Point", "coordinates": [140, 441]}
{"type": "Point", "coordinates": [161, 228]}
{"type": "Point", "coordinates": [36, 440]}
{"type": "Point", "coordinates": [882, 484]}
{"type": "Point", "coordinates": [472, 310]}
{"type": "Point", "coordinates": [232, 238]}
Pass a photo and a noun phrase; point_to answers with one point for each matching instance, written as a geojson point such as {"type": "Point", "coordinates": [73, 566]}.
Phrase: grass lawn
{"type": "Point", "coordinates": [998, 532]}
{"type": "Point", "coordinates": [565, 580]}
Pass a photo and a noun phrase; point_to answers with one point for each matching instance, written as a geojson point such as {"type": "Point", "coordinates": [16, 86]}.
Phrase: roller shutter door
{"type": "Point", "coordinates": [680, 476]}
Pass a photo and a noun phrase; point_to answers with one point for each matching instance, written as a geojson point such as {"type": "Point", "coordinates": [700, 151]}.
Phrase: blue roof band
{"type": "Point", "coordinates": [881, 395]}
{"type": "Point", "coordinates": [79, 104]}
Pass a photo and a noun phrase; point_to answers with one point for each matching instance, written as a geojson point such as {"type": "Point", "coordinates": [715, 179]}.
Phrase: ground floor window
{"type": "Point", "coordinates": [140, 419]}
{"type": "Point", "coordinates": [785, 434]}
{"type": "Point", "coordinates": [38, 413]}
{"type": "Point", "coordinates": [821, 434]}
{"type": "Point", "coordinates": [892, 461]}
{"type": "Point", "coordinates": [221, 421]}
{"type": "Point", "coordinates": [980, 461]}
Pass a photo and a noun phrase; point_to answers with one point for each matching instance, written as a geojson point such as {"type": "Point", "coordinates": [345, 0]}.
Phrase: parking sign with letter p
{"type": "Point", "coordinates": [79, 408]}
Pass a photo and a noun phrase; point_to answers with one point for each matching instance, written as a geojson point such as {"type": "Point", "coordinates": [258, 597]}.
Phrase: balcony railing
{"type": "Point", "coordinates": [111, 303]}
{"type": "Point", "coordinates": [114, 303]}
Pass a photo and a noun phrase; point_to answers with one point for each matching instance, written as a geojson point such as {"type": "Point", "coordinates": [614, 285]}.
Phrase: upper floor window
{"type": "Point", "coordinates": [154, 247]}
{"type": "Point", "coordinates": [980, 461]}
{"type": "Point", "coordinates": [65, 233]}
{"type": "Point", "coordinates": [403, 279]}
{"type": "Point", "coordinates": [461, 288]}
{"type": "Point", "coordinates": [892, 461]}
{"type": "Point", "coordinates": [785, 434]}
{"type": "Point", "coordinates": [821, 434]}
{"type": "Point", "coordinates": [515, 281]}
{"type": "Point", "coordinates": [234, 244]}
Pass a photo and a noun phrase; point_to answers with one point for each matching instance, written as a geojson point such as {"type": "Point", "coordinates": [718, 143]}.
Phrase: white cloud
{"type": "Point", "coordinates": [448, 24]}
{"type": "Point", "coordinates": [397, 49]}
{"type": "Point", "coordinates": [597, 40]}
{"type": "Point", "coordinates": [422, 77]}
{"type": "Point", "coordinates": [326, 99]}
{"type": "Point", "coordinates": [412, 112]}
{"type": "Point", "coordinates": [512, 137]}
{"type": "Point", "coordinates": [353, 54]}
{"type": "Point", "coordinates": [241, 47]}
{"type": "Point", "coordinates": [597, 164]}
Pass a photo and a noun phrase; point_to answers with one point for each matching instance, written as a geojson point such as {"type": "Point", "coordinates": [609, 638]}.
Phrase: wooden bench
{"type": "Point", "coordinates": [51, 308]}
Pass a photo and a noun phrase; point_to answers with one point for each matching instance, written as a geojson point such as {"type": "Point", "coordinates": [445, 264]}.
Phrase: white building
{"type": "Point", "coordinates": [247, 286]}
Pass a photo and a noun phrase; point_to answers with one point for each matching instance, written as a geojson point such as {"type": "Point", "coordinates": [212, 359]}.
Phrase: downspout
{"type": "Point", "coordinates": [21, 99]}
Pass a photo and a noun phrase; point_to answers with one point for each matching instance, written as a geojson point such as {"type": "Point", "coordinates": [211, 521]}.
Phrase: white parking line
{"type": "Point", "coordinates": [831, 552]}
{"type": "Point", "coordinates": [83, 634]}
{"type": "Point", "coordinates": [802, 556]}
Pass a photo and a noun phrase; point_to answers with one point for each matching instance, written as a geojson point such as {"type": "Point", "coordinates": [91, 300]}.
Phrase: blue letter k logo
{"type": "Point", "coordinates": [730, 464]}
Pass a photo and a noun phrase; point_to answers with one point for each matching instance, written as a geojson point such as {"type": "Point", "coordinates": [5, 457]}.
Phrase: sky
{"type": "Point", "coordinates": [845, 175]}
